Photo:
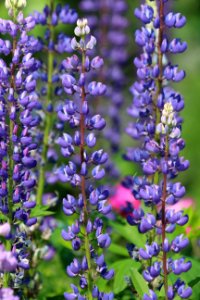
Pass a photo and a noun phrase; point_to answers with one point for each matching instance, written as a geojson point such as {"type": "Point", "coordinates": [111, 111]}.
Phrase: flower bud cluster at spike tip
{"type": "Point", "coordinates": [82, 29]}
{"type": "Point", "coordinates": [156, 108]}
{"type": "Point", "coordinates": [18, 120]}
{"type": "Point", "coordinates": [109, 23]}
{"type": "Point", "coordinates": [85, 166]}
{"type": "Point", "coordinates": [14, 6]}
{"type": "Point", "coordinates": [9, 4]}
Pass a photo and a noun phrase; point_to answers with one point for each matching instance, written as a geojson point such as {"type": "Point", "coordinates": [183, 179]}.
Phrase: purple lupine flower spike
{"type": "Point", "coordinates": [85, 165]}
{"type": "Point", "coordinates": [18, 120]}
{"type": "Point", "coordinates": [50, 46]}
{"type": "Point", "coordinates": [156, 107]}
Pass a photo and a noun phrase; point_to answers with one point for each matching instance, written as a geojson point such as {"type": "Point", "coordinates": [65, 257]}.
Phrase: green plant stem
{"type": "Point", "coordinates": [48, 118]}
{"type": "Point", "coordinates": [83, 187]}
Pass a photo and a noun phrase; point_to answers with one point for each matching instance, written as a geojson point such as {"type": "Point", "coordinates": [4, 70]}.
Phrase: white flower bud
{"type": "Point", "coordinates": [168, 109]}
{"type": "Point", "coordinates": [87, 29]}
{"type": "Point", "coordinates": [163, 119]}
{"type": "Point", "coordinates": [78, 31]}
{"type": "Point", "coordinates": [18, 4]}
{"type": "Point", "coordinates": [82, 27]}
{"type": "Point", "coordinates": [176, 133]}
{"type": "Point", "coordinates": [21, 3]}
{"type": "Point", "coordinates": [74, 44]}
{"type": "Point", "coordinates": [8, 4]}
{"type": "Point", "coordinates": [167, 117]}
{"type": "Point", "coordinates": [161, 129]}
{"type": "Point", "coordinates": [82, 22]}
{"type": "Point", "coordinates": [170, 119]}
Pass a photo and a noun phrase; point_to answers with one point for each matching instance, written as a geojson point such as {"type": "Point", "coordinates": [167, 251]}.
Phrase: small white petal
{"type": "Point", "coordinates": [78, 31]}
{"type": "Point", "coordinates": [92, 42]}
{"type": "Point", "coordinates": [74, 44]}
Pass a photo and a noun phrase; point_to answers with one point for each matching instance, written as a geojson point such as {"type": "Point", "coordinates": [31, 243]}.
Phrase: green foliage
{"type": "Point", "coordinates": [123, 273]}
{"type": "Point", "coordinates": [139, 283]}
{"type": "Point", "coordinates": [41, 211]}
{"type": "Point", "coordinates": [52, 273]}
{"type": "Point", "coordinates": [129, 233]}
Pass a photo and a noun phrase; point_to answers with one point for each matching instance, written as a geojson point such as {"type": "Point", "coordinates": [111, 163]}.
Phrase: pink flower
{"type": "Point", "coordinates": [188, 230]}
{"type": "Point", "coordinates": [183, 204]}
{"type": "Point", "coordinates": [120, 198]}
{"type": "Point", "coordinates": [5, 229]}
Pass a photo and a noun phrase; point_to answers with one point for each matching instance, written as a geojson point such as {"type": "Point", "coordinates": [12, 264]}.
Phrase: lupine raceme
{"type": "Point", "coordinates": [156, 107]}
{"type": "Point", "coordinates": [85, 167]}
{"type": "Point", "coordinates": [17, 122]}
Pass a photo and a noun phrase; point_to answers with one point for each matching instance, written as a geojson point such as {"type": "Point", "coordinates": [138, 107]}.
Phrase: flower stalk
{"type": "Point", "coordinates": [156, 107]}
{"type": "Point", "coordinates": [87, 232]}
{"type": "Point", "coordinates": [83, 183]}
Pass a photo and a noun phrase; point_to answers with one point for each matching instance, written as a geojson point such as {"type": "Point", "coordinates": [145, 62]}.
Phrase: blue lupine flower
{"type": "Point", "coordinates": [156, 108]}
{"type": "Point", "coordinates": [84, 166]}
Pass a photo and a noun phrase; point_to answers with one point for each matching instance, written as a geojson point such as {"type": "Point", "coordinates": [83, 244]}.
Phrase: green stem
{"type": "Point", "coordinates": [6, 280]}
{"type": "Point", "coordinates": [48, 118]}
{"type": "Point", "coordinates": [83, 188]}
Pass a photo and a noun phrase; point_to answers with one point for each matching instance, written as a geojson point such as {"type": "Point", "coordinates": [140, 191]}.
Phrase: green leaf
{"type": "Point", "coordinates": [196, 291]}
{"type": "Point", "coordinates": [130, 233]}
{"type": "Point", "coordinates": [3, 217]}
{"type": "Point", "coordinates": [41, 211]}
{"type": "Point", "coordinates": [139, 283]}
{"type": "Point", "coordinates": [122, 272]}
{"type": "Point", "coordinates": [194, 282]}
{"type": "Point", "coordinates": [117, 249]}
{"type": "Point", "coordinates": [59, 297]}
